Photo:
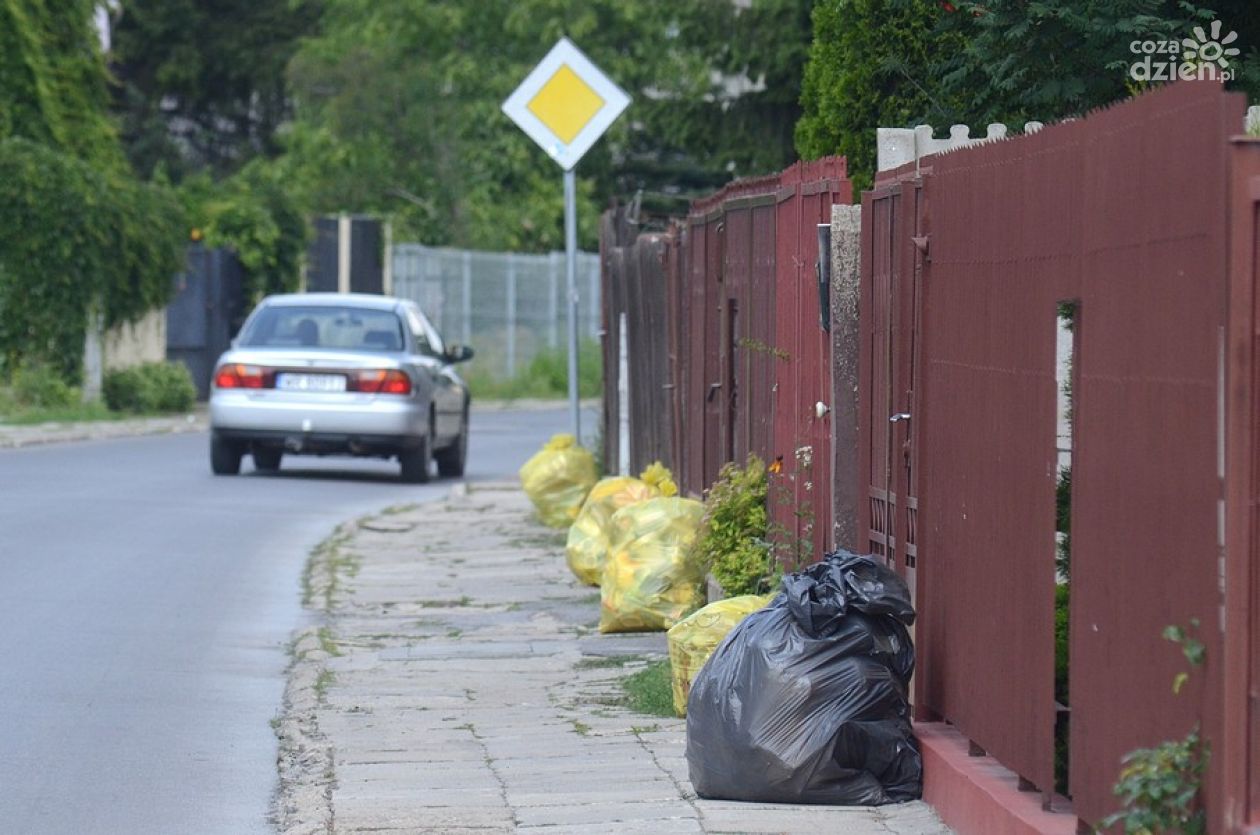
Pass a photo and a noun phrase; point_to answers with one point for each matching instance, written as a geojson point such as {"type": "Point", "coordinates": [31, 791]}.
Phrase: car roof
{"type": "Point", "coordinates": [365, 300]}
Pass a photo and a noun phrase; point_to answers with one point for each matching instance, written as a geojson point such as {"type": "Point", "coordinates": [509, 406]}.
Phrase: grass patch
{"type": "Point", "coordinates": [325, 680]}
{"type": "Point", "coordinates": [649, 691]}
{"type": "Point", "coordinates": [327, 642]}
{"type": "Point", "coordinates": [15, 415]}
{"type": "Point", "coordinates": [444, 604]}
{"type": "Point", "coordinates": [328, 556]}
{"type": "Point", "coordinates": [580, 728]}
{"type": "Point", "coordinates": [546, 376]}
{"type": "Point", "coordinates": [605, 662]}
{"type": "Point", "coordinates": [548, 538]}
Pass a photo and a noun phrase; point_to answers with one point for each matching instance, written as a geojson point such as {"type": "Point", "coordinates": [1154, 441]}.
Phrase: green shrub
{"type": "Point", "coordinates": [38, 386]}
{"type": "Point", "coordinates": [732, 542]}
{"type": "Point", "coordinates": [151, 387]}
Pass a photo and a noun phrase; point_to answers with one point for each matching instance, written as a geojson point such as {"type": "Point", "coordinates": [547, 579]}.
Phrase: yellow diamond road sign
{"type": "Point", "coordinates": [566, 103]}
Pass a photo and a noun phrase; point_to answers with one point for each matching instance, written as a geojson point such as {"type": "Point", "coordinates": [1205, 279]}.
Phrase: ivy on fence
{"type": "Point", "coordinates": [72, 239]}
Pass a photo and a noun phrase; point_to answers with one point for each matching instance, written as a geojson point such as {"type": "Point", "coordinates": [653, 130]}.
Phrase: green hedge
{"type": "Point", "coordinates": [73, 238]}
{"type": "Point", "coordinates": [151, 387]}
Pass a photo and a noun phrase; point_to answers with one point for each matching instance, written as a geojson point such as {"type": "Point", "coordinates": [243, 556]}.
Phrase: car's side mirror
{"type": "Point", "coordinates": [459, 353]}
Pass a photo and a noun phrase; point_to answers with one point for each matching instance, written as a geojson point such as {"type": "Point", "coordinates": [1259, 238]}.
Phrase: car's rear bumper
{"type": "Point", "coordinates": [316, 414]}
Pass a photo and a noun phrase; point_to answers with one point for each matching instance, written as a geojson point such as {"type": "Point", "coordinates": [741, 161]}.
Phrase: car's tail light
{"type": "Point", "coordinates": [236, 376]}
{"type": "Point", "coordinates": [382, 381]}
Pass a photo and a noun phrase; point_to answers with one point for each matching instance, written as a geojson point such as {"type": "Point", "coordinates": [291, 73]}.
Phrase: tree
{"type": "Point", "coordinates": [1052, 59]}
{"type": "Point", "coordinates": [873, 63]}
{"type": "Point", "coordinates": [898, 63]}
{"type": "Point", "coordinates": [202, 85]}
{"type": "Point", "coordinates": [398, 109]}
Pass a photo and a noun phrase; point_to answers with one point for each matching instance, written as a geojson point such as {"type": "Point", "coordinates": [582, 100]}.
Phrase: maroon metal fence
{"type": "Point", "coordinates": [965, 265]}
{"type": "Point", "coordinates": [1239, 746]}
{"type": "Point", "coordinates": [757, 358]}
{"type": "Point", "coordinates": [634, 276]}
{"type": "Point", "coordinates": [747, 358]}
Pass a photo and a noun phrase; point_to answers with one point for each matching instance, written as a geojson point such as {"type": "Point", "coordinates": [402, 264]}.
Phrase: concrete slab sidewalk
{"type": "Point", "coordinates": [456, 683]}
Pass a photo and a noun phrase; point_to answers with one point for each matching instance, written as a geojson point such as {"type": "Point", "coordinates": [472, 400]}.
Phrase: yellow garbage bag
{"type": "Point", "coordinates": [693, 639]}
{"type": "Point", "coordinates": [587, 547]}
{"type": "Point", "coordinates": [651, 581]}
{"type": "Point", "coordinates": [557, 479]}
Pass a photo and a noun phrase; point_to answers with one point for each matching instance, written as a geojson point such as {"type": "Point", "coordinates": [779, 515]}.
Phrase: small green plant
{"type": "Point", "coordinates": [151, 387]}
{"type": "Point", "coordinates": [792, 544]}
{"type": "Point", "coordinates": [1159, 786]}
{"type": "Point", "coordinates": [650, 690]}
{"type": "Point", "coordinates": [732, 542]}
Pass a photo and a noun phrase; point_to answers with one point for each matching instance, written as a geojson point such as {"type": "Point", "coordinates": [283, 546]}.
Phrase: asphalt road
{"type": "Point", "coordinates": [144, 610]}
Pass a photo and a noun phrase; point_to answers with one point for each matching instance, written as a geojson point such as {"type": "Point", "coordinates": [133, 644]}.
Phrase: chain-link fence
{"type": "Point", "coordinates": [508, 306]}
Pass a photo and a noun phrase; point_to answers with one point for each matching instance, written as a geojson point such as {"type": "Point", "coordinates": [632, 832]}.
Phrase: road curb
{"type": "Point", "coordinates": [39, 434]}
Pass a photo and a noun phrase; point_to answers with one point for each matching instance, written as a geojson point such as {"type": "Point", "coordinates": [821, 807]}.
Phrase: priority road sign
{"type": "Point", "coordinates": [565, 104]}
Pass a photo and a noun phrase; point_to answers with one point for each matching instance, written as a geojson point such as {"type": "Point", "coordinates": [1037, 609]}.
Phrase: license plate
{"type": "Point", "coordinates": [310, 382]}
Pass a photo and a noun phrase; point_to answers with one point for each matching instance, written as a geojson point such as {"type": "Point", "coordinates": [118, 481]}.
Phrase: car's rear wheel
{"type": "Point", "coordinates": [451, 460]}
{"type": "Point", "coordinates": [417, 464]}
{"type": "Point", "coordinates": [225, 456]}
{"type": "Point", "coordinates": [267, 459]}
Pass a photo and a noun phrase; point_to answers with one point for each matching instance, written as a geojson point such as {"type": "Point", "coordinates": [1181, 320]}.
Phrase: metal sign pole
{"type": "Point", "coordinates": [565, 104]}
{"type": "Point", "coordinates": [570, 274]}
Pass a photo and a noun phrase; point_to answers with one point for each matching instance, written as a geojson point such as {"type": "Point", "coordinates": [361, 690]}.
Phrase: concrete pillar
{"type": "Point", "coordinates": [846, 237]}
{"type": "Point", "coordinates": [93, 356]}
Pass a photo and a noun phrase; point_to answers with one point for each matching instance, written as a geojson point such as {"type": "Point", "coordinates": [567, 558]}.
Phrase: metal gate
{"type": "Point", "coordinates": [207, 308]}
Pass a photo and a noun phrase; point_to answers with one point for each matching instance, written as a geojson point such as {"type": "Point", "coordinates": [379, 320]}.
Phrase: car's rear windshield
{"type": "Point", "coordinates": [324, 326]}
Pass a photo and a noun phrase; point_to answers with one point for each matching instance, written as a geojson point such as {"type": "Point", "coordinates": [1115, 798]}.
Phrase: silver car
{"type": "Point", "coordinates": [340, 374]}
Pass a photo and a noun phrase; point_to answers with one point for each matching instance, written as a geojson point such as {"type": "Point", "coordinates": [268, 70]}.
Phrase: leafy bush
{"type": "Point", "coordinates": [1159, 787]}
{"type": "Point", "coordinates": [732, 542]}
{"type": "Point", "coordinates": [37, 386]}
{"type": "Point", "coordinates": [151, 387]}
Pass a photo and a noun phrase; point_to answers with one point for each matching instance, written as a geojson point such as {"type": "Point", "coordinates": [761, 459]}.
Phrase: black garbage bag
{"type": "Point", "coordinates": [805, 700]}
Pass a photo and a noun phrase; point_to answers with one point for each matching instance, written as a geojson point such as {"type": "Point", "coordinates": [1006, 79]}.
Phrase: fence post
{"type": "Point", "coordinates": [846, 236]}
{"type": "Point", "coordinates": [387, 276]}
{"type": "Point", "coordinates": [553, 311]}
{"type": "Point", "coordinates": [343, 253]}
{"type": "Point", "coordinates": [623, 399]}
{"type": "Point", "coordinates": [592, 280]}
{"type": "Point", "coordinates": [467, 297]}
{"type": "Point", "coordinates": [511, 315]}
